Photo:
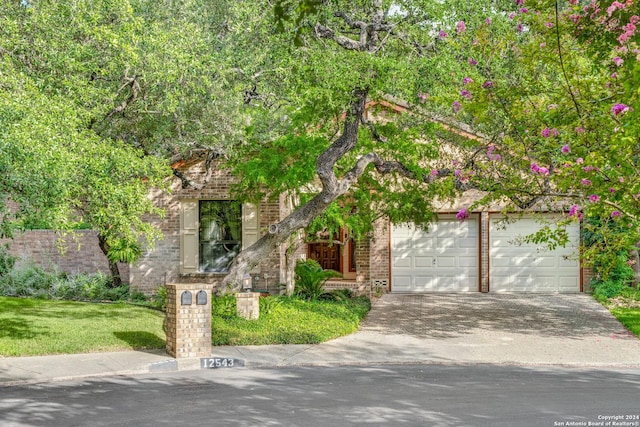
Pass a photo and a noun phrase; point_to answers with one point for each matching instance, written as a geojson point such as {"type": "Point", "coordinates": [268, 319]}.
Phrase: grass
{"type": "Point", "coordinates": [292, 321]}
{"type": "Point", "coordinates": [629, 317]}
{"type": "Point", "coordinates": [30, 327]}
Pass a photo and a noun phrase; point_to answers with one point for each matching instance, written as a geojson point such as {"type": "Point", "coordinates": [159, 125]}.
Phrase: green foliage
{"type": "Point", "coordinates": [224, 306]}
{"type": "Point", "coordinates": [7, 261]}
{"type": "Point", "coordinates": [30, 281]}
{"type": "Point", "coordinates": [310, 279]}
{"type": "Point", "coordinates": [295, 321]}
{"type": "Point", "coordinates": [269, 304]}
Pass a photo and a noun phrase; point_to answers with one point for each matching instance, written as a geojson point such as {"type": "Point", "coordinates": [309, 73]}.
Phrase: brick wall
{"type": "Point", "coordinates": [161, 264]}
{"type": "Point", "coordinates": [73, 253]}
{"type": "Point", "coordinates": [380, 257]}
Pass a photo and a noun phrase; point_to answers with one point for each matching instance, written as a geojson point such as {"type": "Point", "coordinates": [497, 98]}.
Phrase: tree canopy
{"type": "Point", "coordinates": [533, 103]}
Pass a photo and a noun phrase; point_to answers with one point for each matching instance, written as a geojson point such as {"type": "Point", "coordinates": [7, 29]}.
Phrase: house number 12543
{"type": "Point", "coordinates": [220, 362]}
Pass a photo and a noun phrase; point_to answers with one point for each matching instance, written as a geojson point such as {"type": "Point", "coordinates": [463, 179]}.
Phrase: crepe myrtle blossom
{"type": "Point", "coordinates": [585, 182]}
{"type": "Point", "coordinates": [565, 149]}
{"type": "Point", "coordinates": [594, 198]}
{"type": "Point", "coordinates": [487, 84]}
{"type": "Point", "coordinates": [615, 214]}
{"type": "Point", "coordinates": [574, 211]}
{"type": "Point", "coordinates": [618, 109]}
{"type": "Point", "coordinates": [618, 61]}
{"type": "Point", "coordinates": [579, 160]}
{"type": "Point", "coordinates": [434, 173]}
{"type": "Point", "coordinates": [456, 106]}
{"type": "Point", "coordinates": [539, 169]}
{"type": "Point", "coordinates": [460, 26]}
{"type": "Point", "coordinates": [579, 129]}
{"type": "Point", "coordinates": [519, 2]}
{"type": "Point", "coordinates": [443, 34]}
{"type": "Point", "coordinates": [524, 10]}
{"type": "Point", "coordinates": [488, 21]}
{"type": "Point", "coordinates": [612, 190]}
{"type": "Point", "coordinates": [546, 132]}
{"type": "Point", "coordinates": [462, 215]}
{"type": "Point", "coordinates": [467, 80]}
{"type": "Point", "coordinates": [465, 93]}
{"type": "Point", "coordinates": [549, 24]}
{"type": "Point", "coordinates": [472, 61]}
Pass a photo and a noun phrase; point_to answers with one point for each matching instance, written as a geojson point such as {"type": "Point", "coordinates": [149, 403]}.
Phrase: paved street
{"type": "Point", "coordinates": [415, 395]}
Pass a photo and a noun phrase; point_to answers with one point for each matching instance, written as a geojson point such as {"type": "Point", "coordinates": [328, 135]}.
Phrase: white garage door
{"type": "Point", "coordinates": [529, 267]}
{"type": "Point", "coordinates": [443, 260]}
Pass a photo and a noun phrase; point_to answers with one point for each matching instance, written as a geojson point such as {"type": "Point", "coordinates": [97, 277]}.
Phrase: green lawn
{"type": "Point", "coordinates": [629, 317]}
{"type": "Point", "coordinates": [293, 321]}
{"type": "Point", "coordinates": [30, 327]}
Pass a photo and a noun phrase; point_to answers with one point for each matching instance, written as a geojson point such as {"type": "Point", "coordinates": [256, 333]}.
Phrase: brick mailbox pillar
{"type": "Point", "coordinates": [248, 305]}
{"type": "Point", "coordinates": [188, 323]}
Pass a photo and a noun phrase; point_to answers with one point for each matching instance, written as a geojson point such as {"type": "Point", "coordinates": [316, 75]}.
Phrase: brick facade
{"type": "Point", "coordinates": [161, 264]}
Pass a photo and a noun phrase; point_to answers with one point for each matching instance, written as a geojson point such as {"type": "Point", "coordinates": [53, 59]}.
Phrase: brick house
{"type": "Point", "coordinates": [203, 231]}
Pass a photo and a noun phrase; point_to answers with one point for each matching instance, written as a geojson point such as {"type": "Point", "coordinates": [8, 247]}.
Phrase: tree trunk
{"type": "Point", "coordinates": [332, 188]}
{"type": "Point", "coordinates": [116, 279]}
{"type": "Point", "coordinates": [634, 256]}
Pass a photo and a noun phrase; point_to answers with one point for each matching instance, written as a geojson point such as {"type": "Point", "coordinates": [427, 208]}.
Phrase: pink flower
{"type": "Point", "coordinates": [618, 61]}
{"type": "Point", "coordinates": [575, 18]}
{"type": "Point", "coordinates": [612, 190]}
{"type": "Point", "coordinates": [487, 84]}
{"type": "Point", "coordinates": [579, 160]}
{"type": "Point", "coordinates": [456, 106]}
{"type": "Point", "coordinates": [460, 27]}
{"type": "Point", "coordinates": [546, 132]}
{"type": "Point", "coordinates": [585, 182]}
{"type": "Point", "coordinates": [621, 179]}
{"type": "Point", "coordinates": [472, 61]}
{"type": "Point", "coordinates": [443, 34]}
{"type": "Point", "coordinates": [579, 130]}
{"type": "Point", "coordinates": [519, 28]}
{"type": "Point", "coordinates": [423, 97]}
{"type": "Point", "coordinates": [488, 21]}
{"type": "Point", "coordinates": [575, 211]}
{"type": "Point", "coordinates": [594, 198]}
{"type": "Point", "coordinates": [549, 24]}
{"type": "Point", "coordinates": [619, 109]}
{"type": "Point", "coordinates": [524, 10]}
{"type": "Point", "coordinates": [519, 2]}
{"type": "Point", "coordinates": [614, 75]}
{"type": "Point", "coordinates": [565, 149]}
{"type": "Point", "coordinates": [434, 172]}
{"type": "Point", "coordinates": [615, 214]}
{"type": "Point", "coordinates": [457, 173]}
{"type": "Point", "coordinates": [467, 80]}
{"type": "Point", "coordinates": [465, 93]}
{"type": "Point", "coordinates": [543, 45]}
{"type": "Point", "coordinates": [512, 15]}
{"type": "Point", "coordinates": [539, 169]}
{"type": "Point", "coordinates": [462, 215]}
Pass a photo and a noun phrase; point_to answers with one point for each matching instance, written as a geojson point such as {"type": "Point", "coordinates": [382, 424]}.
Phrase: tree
{"type": "Point", "coordinates": [97, 98]}
{"type": "Point", "coordinates": [501, 94]}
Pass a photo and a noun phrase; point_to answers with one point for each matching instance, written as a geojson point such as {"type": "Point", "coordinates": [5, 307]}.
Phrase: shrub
{"type": "Point", "coordinates": [7, 261]}
{"type": "Point", "coordinates": [310, 279]}
{"type": "Point", "coordinates": [224, 306]}
{"type": "Point", "coordinates": [269, 304]}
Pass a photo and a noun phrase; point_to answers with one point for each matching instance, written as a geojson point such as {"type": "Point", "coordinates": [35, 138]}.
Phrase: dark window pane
{"type": "Point", "coordinates": [220, 234]}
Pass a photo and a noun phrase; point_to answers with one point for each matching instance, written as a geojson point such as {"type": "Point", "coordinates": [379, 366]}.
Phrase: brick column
{"type": "Point", "coordinates": [188, 322]}
{"type": "Point", "coordinates": [484, 251]}
{"type": "Point", "coordinates": [248, 305]}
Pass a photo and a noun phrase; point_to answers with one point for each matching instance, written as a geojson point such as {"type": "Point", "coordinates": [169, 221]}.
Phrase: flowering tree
{"type": "Point", "coordinates": [562, 117]}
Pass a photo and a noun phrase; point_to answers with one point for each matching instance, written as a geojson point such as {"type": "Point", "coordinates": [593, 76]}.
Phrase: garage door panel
{"type": "Point", "coordinates": [423, 262]}
{"type": "Point", "coordinates": [443, 260]}
{"type": "Point", "coordinates": [516, 266]}
{"type": "Point", "coordinates": [401, 262]}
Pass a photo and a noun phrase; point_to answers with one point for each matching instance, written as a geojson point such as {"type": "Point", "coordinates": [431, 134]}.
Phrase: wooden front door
{"type": "Point", "coordinates": [327, 256]}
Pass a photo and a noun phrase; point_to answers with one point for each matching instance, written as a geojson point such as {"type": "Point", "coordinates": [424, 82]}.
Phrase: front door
{"type": "Point", "coordinates": [327, 256]}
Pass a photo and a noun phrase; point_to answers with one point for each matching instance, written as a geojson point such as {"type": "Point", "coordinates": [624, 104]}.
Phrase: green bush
{"type": "Point", "coordinates": [224, 306]}
{"type": "Point", "coordinates": [269, 304]}
{"type": "Point", "coordinates": [7, 261]}
{"type": "Point", "coordinates": [310, 279]}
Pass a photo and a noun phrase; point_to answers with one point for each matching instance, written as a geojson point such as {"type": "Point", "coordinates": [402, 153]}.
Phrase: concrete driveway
{"type": "Point", "coordinates": [521, 329]}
